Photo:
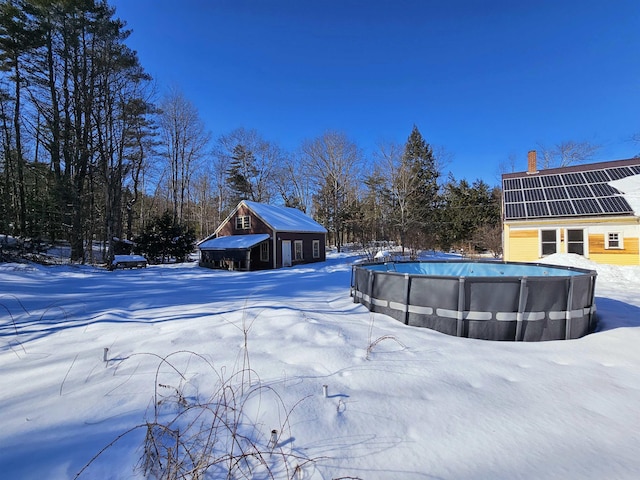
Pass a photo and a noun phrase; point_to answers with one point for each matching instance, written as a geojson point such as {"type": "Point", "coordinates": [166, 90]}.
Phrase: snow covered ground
{"type": "Point", "coordinates": [417, 405]}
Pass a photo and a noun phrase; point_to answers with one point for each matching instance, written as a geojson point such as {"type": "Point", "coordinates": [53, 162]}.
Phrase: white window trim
{"type": "Point", "coordinates": [316, 249]}
{"type": "Point", "coordinates": [295, 250]}
{"type": "Point", "coordinates": [620, 241]}
{"type": "Point", "coordinates": [243, 222]}
{"type": "Point", "coordinates": [264, 252]}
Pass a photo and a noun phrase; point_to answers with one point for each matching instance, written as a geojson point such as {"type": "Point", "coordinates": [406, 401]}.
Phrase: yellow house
{"type": "Point", "coordinates": [592, 210]}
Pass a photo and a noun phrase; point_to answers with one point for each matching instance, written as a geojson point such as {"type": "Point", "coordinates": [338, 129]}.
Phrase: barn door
{"type": "Point", "coordinates": [286, 253]}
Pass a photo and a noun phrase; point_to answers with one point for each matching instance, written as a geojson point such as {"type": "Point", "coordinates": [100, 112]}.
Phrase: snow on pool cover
{"type": "Point", "coordinates": [483, 300]}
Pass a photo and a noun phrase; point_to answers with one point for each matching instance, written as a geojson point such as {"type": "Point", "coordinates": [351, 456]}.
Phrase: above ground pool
{"type": "Point", "coordinates": [481, 299]}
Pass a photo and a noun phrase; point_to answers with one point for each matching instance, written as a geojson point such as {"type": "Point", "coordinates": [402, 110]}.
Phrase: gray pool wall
{"type": "Point", "coordinates": [483, 300]}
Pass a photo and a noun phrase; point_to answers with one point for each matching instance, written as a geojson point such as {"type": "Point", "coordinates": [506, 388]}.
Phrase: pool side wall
{"type": "Point", "coordinates": [489, 308]}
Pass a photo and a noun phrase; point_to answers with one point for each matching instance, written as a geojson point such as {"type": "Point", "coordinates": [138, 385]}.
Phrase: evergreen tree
{"type": "Point", "coordinates": [66, 119]}
{"type": "Point", "coordinates": [374, 211]}
{"type": "Point", "coordinates": [242, 170]}
{"type": "Point", "coordinates": [466, 208]}
{"type": "Point", "coordinates": [253, 166]}
{"type": "Point", "coordinates": [422, 201]}
{"type": "Point", "coordinates": [164, 239]}
{"type": "Point", "coordinates": [18, 36]}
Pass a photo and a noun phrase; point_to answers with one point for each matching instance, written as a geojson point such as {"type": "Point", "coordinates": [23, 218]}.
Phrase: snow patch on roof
{"type": "Point", "coordinates": [285, 219]}
{"type": "Point", "coordinates": [630, 188]}
{"type": "Point", "coordinates": [239, 242]}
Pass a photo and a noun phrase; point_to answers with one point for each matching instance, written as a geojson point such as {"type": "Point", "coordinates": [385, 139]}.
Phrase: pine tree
{"type": "Point", "coordinates": [164, 239]}
{"type": "Point", "coordinates": [465, 209]}
{"type": "Point", "coordinates": [422, 203]}
{"type": "Point", "coordinates": [242, 170]}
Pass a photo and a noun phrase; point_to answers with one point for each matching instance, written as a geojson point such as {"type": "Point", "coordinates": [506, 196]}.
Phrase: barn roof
{"type": "Point", "coordinates": [284, 219]}
{"type": "Point", "coordinates": [577, 191]}
{"type": "Point", "coordinates": [233, 242]}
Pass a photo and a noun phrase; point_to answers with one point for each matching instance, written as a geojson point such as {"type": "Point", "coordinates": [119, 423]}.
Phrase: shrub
{"type": "Point", "coordinates": [163, 240]}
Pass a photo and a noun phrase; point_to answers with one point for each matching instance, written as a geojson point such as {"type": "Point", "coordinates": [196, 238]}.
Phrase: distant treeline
{"type": "Point", "coordinates": [88, 153]}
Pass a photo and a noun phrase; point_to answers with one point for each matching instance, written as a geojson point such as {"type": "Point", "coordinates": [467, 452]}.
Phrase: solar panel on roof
{"type": "Point", "coordinates": [573, 178]}
{"type": "Point", "coordinates": [512, 196]}
{"type": "Point", "coordinates": [531, 182]}
{"type": "Point", "coordinates": [596, 176]}
{"type": "Point", "coordinates": [556, 193]}
{"type": "Point", "coordinates": [551, 180]}
{"type": "Point", "coordinates": [534, 195]}
{"type": "Point", "coordinates": [586, 206]}
{"type": "Point", "coordinates": [512, 184]}
{"type": "Point", "coordinates": [579, 191]}
{"type": "Point", "coordinates": [603, 190]}
{"type": "Point", "coordinates": [615, 205]}
{"type": "Point", "coordinates": [514, 210]}
{"type": "Point", "coordinates": [619, 172]}
{"type": "Point", "coordinates": [537, 209]}
{"type": "Point", "coordinates": [561, 208]}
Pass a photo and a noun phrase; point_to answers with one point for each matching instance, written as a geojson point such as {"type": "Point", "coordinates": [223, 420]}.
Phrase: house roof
{"type": "Point", "coordinates": [281, 219]}
{"type": "Point", "coordinates": [285, 219]}
{"type": "Point", "coordinates": [577, 191]}
{"type": "Point", "coordinates": [233, 242]}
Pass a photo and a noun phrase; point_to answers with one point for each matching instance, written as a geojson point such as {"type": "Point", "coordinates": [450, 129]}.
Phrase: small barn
{"type": "Point", "coordinates": [591, 210]}
{"type": "Point", "coordinates": [257, 236]}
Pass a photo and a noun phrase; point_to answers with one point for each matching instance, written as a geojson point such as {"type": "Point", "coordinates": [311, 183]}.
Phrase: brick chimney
{"type": "Point", "coordinates": [532, 163]}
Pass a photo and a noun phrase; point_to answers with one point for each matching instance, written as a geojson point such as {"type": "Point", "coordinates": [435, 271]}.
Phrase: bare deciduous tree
{"type": "Point", "coordinates": [566, 153]}
{"type": "Point", "coordinates": [401, 186]}
{"type": "Point", "coordinates": [293, 184]}
{"type": "Point", "coordinates": [635, 138]}
{"type": "Point", "coordinates": [184, 140]}
{"type": "Point", "coordinates": [332, 161]}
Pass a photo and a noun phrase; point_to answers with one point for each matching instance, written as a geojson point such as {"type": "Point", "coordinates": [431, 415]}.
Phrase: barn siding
{"type": "Point", "coordinates": [257, 225]}
{"type": "Point", "coordinates": [307, 247]}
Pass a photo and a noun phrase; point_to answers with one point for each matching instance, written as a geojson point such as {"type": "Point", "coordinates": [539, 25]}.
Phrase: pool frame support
{"type": "Point", "coordinates": [534, 317]}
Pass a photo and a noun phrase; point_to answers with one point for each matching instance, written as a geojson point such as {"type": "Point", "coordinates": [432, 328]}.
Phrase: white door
{"type": "Point", "coordinates": [286, 253]}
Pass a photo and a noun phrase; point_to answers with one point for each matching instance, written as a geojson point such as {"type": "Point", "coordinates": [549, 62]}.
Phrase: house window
{"type": "Point", "coordinates": [243, 222]}
{"type": "Point", "coordinates": [614, 240]}
{"type": "Point", "coordinates": [264, 252]}
{"type": "Point", "coordinates": [575, 241]}
{"type": "Point", "coordinates": [549, 242]}
{"type": "Point", "coordinates": [297, 245]}
{"type": "Point", "coordinates": [316, 249]}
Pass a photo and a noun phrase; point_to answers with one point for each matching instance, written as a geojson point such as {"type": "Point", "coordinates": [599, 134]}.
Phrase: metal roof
{"type": "Point", "coordinates": [285, 219]}
{"type": "Point", "coordinates": [234, 242]}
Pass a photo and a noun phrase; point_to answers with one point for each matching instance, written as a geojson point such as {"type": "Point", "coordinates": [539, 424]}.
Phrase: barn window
{"type": "Point", "coordinates": [264, 252]}
{"type": "Point", "coordinates": [575, 241]}
{"type": "Point", "coordinates": [243, 222]}
{"type": "Point", "coordinates": [316, 249]}
{"type": "Point", "coordinates": [614, 240]}
{"type": "Point", "coordinates": [548, 242]}
{"type": "Point", "coordinates": [297, 250]}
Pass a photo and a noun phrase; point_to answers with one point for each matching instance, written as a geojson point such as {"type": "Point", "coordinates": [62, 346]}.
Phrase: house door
{"type": "Point", "coordinates": [286, 253]}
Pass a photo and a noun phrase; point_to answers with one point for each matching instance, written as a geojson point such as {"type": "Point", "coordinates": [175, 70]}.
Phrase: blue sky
{"type": "Point", "coordinates": [485, 80]}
